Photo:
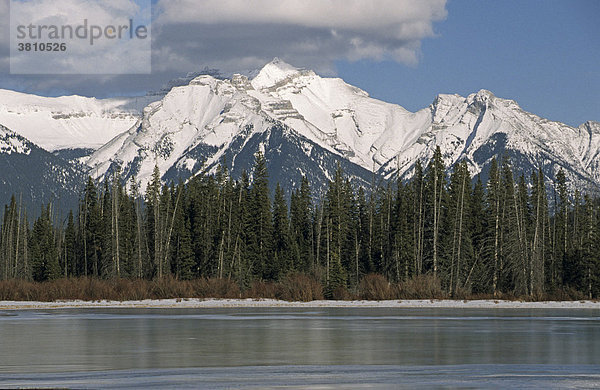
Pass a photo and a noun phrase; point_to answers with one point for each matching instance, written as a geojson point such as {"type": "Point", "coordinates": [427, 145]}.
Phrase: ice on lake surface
{"type": "Point", "coordinates": [300, 347]}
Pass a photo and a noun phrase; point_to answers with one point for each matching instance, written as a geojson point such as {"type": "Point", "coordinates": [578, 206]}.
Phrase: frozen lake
{"type": "Point", "coordinates": [300, 347]}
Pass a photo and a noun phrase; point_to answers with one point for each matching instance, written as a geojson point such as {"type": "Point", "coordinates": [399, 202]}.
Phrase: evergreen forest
{"type": "Point", "coordinates": [511, 236]}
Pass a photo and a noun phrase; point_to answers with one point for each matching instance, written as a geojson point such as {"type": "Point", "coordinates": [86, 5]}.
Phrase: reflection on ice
{"type": "Point", "coordinates": [304, 347]}
{"type": "Point", "coordinates": [346, 377]}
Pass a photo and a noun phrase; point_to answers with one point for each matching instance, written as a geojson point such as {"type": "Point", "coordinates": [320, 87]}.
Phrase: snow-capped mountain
{"type": "Point", "coordinates": [36, 176]}
{"type": "Point", "coordinates": [482, 126]}
{"type": "Point", "coordinates": [195, 126]}
{"type": "Point", "coordinates": [69, 122]}
{"type": "Point", "coordinates": [305, 124]}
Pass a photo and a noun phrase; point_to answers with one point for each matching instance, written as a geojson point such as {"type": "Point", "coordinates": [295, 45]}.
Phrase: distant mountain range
{"type": "Point", "coordinates": [303, 123]}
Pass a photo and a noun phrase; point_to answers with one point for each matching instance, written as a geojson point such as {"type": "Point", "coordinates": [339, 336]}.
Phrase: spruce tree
{"type": "Point", "coordinates": [301, 214]}
{"type": "Point", "coordinates": [336, 227]}
{"type": "Point", "coordinates": [460, 234]}
{"type": "Point", "coordinates": [560, 231]}
{"type": "Point", "coordinates": [44, 254]}
{"type": "Point", "coordinates": [91, 224]}
{"type": "Point", "coordinates": [435, 187]}
{"type": "Point", "coordinates": [261, 222]}
{"type": "Point", "coordinates": [281, 236]}
{"type": "Point", "coordinates": [402, 232]}
{"type": "Point", "coordinates": [539, 203]}
{"type": "Point", "coordinates": [153, 221]}
{"type": "Point", "coordinates": [477, 278]}
{"type": "Point", "coordinates": [363, 227]}
{"type": "Point", "coordinates": [513, 269]}
{"type": "Point", "coordinates": [418, 197]}
{"type": "Point", "coordinates": [70, 247]}
{"type": "Point", "coordinates": [181, 241]}
{"type": "Point", "coordinates": [494, 212]}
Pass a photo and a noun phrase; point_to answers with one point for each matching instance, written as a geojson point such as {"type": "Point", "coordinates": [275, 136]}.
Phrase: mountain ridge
{"type": "Point", "coordinates": [322, 121]}
{"type": "Point", "coordinates": [36, 176]}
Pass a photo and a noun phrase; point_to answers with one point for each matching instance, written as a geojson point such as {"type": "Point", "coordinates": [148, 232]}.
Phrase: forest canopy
{"type": "Point", "coordinates": [512, 235]}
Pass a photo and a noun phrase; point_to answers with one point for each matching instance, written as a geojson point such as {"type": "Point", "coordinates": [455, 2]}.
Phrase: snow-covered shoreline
{"type": "Point", "coordinates": [194, 303]}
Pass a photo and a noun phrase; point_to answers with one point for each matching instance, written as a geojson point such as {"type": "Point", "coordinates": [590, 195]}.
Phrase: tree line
{"type": "Point", "coordinates": [512, 234]}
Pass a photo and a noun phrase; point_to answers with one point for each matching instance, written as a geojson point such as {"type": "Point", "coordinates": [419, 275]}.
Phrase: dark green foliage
{"type": "Point", "coordinates": [260, 224]}
{"type": "Point", "coordinates": [440, 234]}
{"type": "Point", "coordinates": [44, 253]}
{"type": "Point", "coordinates": [301, 228]}
{"type": "Point", "coordinates": [282, 253]}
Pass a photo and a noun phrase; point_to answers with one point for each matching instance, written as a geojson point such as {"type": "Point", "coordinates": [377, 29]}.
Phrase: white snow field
{"type": "Point", "coordinates": [344, 120]}
{"type": "Point", "coordinates": [138, 133]}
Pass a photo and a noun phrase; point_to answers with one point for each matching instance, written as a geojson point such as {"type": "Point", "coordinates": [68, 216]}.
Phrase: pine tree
{"type": "Point", "coordinates": [24, 266]}
{"type": "Point", "coordinates": [44, 254]}
{"type": "Point", "coordinates": [418, 197]}
{"type": "Point", "coordinates": [183, 261]}
{"type": "Point", "coordinates": [589, 261]}
{"type": "Point", "coordinates": [494, 203]}
{"type": "Point", "coordinates": [402, 234]}
{"type": "Point", "coordinates": [107, 269]}
{"type": "Point", "coordinates": [70, 247]}
{"type": "Point", "coordinates": [153, 219]}
{"type": "Point", "coordinates": [513, 269]}
{"type": "Point", "coordinates": [539, 202]}
{"type": "Point", "coordinates": [281, 236]}
{"type": "Point", "coordinates": [478, 279]}
{"type": "Point", "coordinates": [91, 225]}
{"type": "Point", "coordinates": [435, 186]}
{"type": "Point", "coordinates": [459, 211]}
{"type": "Point", "coordinates": [14, 232]}
{"type": "Point", "coordinates": [363, 228]}
{"type": "Point", "coordinates": [140, 257]}
{"type": "Point", "coordinates": [382, 232]}
{"type": "Point", "coordinates": [261, 221]}
{"type": "Point", "coordinates": [337, 226]}
{"type": "Point", "coordinates": [560, 231]}
{"type": "Point", "coordinates": [9, 240]}
{"type": "Point", "coordinates": [240, 264]}
{"type": "Point", "coordinates": [301, 227]}
{"type": "Point", "coordinates": [524, 215]}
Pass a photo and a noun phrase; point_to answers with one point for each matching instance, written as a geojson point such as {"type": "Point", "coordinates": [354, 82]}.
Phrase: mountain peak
{"type": "Point", "coordinates": [277, 61]}
{"type": "Point", "coordinates": [483, 95]}
{"type": "Point", "coordinates": [275, 72]}
{"type": "Point", "coordinates": [485, 92]}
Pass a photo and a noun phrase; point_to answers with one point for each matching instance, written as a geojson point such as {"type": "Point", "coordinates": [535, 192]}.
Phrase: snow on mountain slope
{"type": "Point", "coordinates": [204, 115]}
{"type": "Point", "coordinates": [11, 142]}
{"type": "Point", "coordinates": [35, 175]}
{"type": "Point", "coordinates": [482, 126]}
{"type": "Point", "coordinates": [367, 131]}
{"type": "Point", "coordinates": [68, 122]}
{"type": "Point", "coordinates": [196, 126]}
{"type": "Point", "coordinates": [199, 121]}
{"type": "Point", "coordinates": [587, 145]}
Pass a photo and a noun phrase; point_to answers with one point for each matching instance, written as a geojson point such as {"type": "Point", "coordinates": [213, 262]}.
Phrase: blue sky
{"type": "Point", "coordinates": [543, 54]}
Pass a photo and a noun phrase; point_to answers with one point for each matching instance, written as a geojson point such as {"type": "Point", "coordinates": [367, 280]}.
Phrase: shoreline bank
{"type": "Point", "coordinates": [195, 303]}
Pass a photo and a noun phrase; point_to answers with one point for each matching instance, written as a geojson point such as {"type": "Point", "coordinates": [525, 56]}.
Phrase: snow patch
{"type": "Point", "coordinates": [194, 303]}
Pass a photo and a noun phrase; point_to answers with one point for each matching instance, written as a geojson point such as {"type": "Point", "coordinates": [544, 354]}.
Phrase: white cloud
{"type": "Point", "coordinates": [237, 35]}
{"type": "Point", "coordinates": [312, 33]}
{"type": "Point", "coordinates": [345, 14]}
{"type": "Point", "coordinates": [37, 18]}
